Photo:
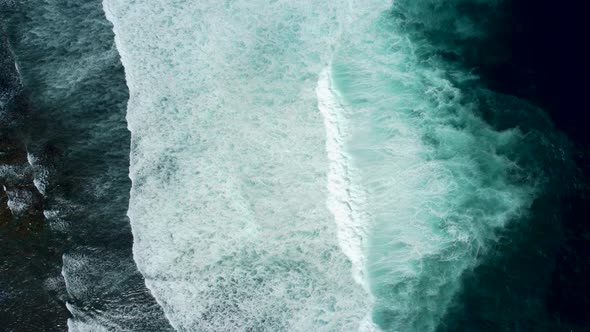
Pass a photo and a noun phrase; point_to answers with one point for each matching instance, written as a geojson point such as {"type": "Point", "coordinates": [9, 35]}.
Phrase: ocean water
{"type": "Point", "coordinates": [280, 165]}
{"type": "Point", "coordinates": [446, 164]}
{"type": "Point", "coordinates": [228, 143]}
{"type": "Point", "coordinates": [424, 166]}
{"type": "Point", "coordinates": [73, 97]}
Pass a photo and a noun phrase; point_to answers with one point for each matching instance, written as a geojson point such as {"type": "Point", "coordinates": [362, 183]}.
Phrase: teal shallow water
{"type": "Point", "coordinates": [419, 183]}
{"type": "Point", "coordinates": [439, 181]}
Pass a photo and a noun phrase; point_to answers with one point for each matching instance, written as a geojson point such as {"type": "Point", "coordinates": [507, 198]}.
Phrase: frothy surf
{"type": "Point", "coordinates": [344, 200]}
{"type": "Point", "coordinates": [438, 181]}
{"type": "Point", "coordinates": [229, 165]}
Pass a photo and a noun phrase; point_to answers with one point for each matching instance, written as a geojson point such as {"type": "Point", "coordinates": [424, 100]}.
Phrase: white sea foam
{"type": "Point", "coordinates": [19, 200]}
{"type": "Point", "coordinates": [231, 230]}
{"type": "Point", "coordinates": [229, 167]}
{"type": "Point", "coordinates": [39, 173]}
{"type": "Point", "coordinates": [345, 200]}
{"type": "Point", "coordinates": [55, 220]}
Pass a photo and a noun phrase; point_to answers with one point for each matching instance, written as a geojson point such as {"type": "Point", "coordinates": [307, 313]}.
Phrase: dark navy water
{"type": "Point", "coordinates": [31, 293]}
{"type": "Point", "coordinates": [527, 57]}
{"type": "Point", "coordinates": [70, 113]}
{"type": "Point", "coordinates": [66, 108]}
{"type": "Point", "coordinates": [537, 278]}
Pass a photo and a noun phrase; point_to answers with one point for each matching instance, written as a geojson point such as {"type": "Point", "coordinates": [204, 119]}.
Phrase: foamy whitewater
{"type": "Point", "coordinates": [296, 168]}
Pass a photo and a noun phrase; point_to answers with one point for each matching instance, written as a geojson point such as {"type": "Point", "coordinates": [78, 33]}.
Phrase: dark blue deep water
{"type": "Point", "coordinates": [68, 112]}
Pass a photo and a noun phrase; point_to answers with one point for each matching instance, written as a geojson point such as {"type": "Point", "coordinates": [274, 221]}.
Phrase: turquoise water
{"type": "Point", "coordinates": [438, 180]}
{"type": "Point", "coordinates": [248, 214]}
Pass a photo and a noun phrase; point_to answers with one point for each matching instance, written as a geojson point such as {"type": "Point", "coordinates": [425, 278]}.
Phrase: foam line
{"type": "Point", "coordinates": [341, 199]}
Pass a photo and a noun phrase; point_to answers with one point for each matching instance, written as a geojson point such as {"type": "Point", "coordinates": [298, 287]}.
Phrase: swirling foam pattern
{"type": "Point", "coordinates": [230, 161]}
{"type": "Point", "coordinates": [437, 180]}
